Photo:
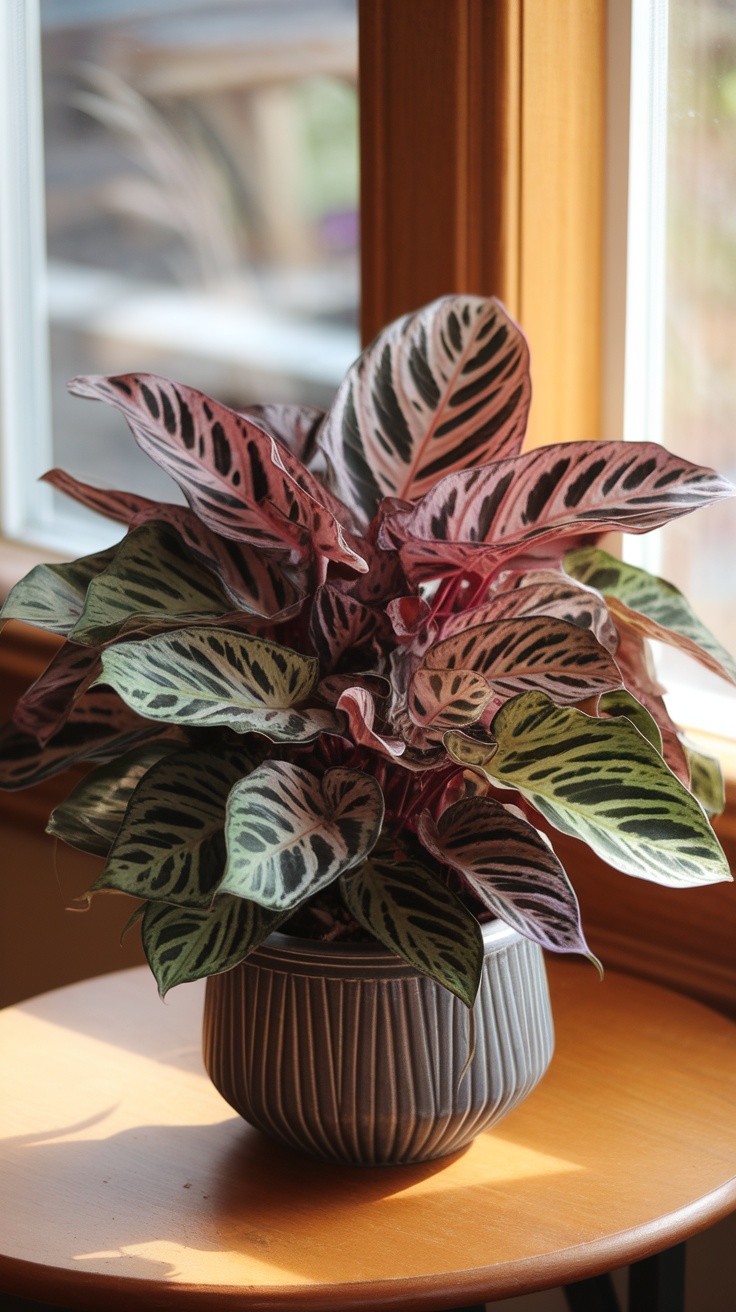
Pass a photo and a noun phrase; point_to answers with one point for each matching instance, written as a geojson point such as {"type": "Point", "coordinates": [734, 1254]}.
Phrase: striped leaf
{"type": "Point", "coordinates": [255, 581]}
{"type": "Point", "coordinates": [183, 944]}
{"type": "Point", "coordinates": [409, 909]}
{"type": "Point", "coordinates": [448, 698]}
{"type": "Point", "coordinates": [621, 702]}
{"type": "Point", "coordinates": [152, 579]}
{"type": "Point", "coordinates": [98, 728]}
{"type": "Point", "coordinates": [634, 659]}
{"type": "Point", "coordinates": [338, 624]}
{"type": "Point", "coordinates": [478, 519]}
{"type": "Point", "coordinates": [171, 844]}
{"type": "Point", "coordinates": [239, 480]}
{"type": "Point", "coordinates": [706, 780]}
{"type": "Point", "coordinates": [46, 706]}
{"type": "Point", "coordinates": [208, 677]}
{"type": "Point", "coordinates": [294, 426]}
{"type": "Point", "coordinates": [52, 596]}
{"type": "Point", "coordinates": [93, 812]}
{"type": "Point", "coordinates": [530, 652]}
{"type": "Point", "coordinates": [510, 868]}
{"type": "Point", "coordinates": [650, 606]}
{"type": "Point", "coordinates": [542, 593]}
{"type": "Point", "coordinates": [289, 833]}
{"type": "Point", "coordinates": [601, 781]}
{"type": "Point", "coordinates": [440, 390]}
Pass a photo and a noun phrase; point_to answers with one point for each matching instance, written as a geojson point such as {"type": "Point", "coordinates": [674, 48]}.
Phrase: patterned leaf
{"type": "Point", "coordinates": [621, 702]}
{"type": "Point", "coordinates": [47, 704]}
{"type": "Point", "coordinates": [151, 579]}
{"type": "Point", "coordinates": [52, 596]}
{"type": "Point", "coordinates": [536, 652]}
{"type": "Point", "coordinates": [255, 581]}
{"type": "Point", "coordinates": [706, 780]}
{"type": "Point", "coordinates": [634, 660]}
{"type": "Point", "coordinates": [207, 677]}
{"type": "Point", "coordinates": [290, 833]}
{"type": "Point", "coordinates": [543, 593]}
{"type": "Point", "coordinates": [338, 624]}
{"type": "Point", "coordinates": [171, 843]}
{"type": "Point", "coordinates": [480, 518]}
{"type": "Point", "coordinates": [599, 780]}
{"type": "Point", "coordinates": [295, 426]}
{"type": "Point", "coordinates": [99, 727]}
{"type": "Point", "coordinates": [91, 815]}
{"type": "Point", "coordinates": [411, 911]}
{"type": "Point", "coordinates": [510, 868]}
{"type": "Point", "coordinates": [650, 606]}
{"type": "Point", "coordinates": [358, 705]}
{"type": "Point", "coordinates": [443, 389]}
{"type": "Point", "coordinates": [447, 699]}
{"type": "Point", "coordinates": [240, 481]}
{"type": "Point", "coordinates": [183, 944]}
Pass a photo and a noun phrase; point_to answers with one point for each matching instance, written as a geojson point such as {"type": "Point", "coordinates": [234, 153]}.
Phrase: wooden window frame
{"type": "Point", "coordinates": [482, 144]}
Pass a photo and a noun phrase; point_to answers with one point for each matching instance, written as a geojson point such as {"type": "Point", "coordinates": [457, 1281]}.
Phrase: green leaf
{"type": "Point", "coordinates": [183, 944]}
{"type": "Point", "coordinates": [650, 606]}
{"type": "Point", "coordinates": [171, 843]}
{"type": "Point", "coordinates": [706, 779]}
{"type": "Point", "coordinates": [52, 596]}
{"type": "Point", "coordinates": [204, 677]}
{"type": "Point", "coordinates": [411, 911]}
{"type": "Point", "coordinates": [289, 833]}
{"type": "Point", "coordinates": [91, 815]}
{"type": "Point", "coordinates": [620, 703]}
{"type": "Point", "coordinates": [601, 781]}
{"type": "Point", "coordinates": [152, 578]}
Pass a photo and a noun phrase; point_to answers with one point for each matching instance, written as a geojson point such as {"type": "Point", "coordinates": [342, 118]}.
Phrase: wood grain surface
{"type": "Point", "coordinates": [126, 1181]}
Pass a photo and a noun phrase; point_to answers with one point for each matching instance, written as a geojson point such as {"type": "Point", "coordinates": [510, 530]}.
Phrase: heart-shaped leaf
{"type": "Point", "coordinates": [410, 910]}
{"type": "Point", "coordinates": [478, 519]}
{"type": "Point", "coordinates": [650, 606]}
{"type": "Point", "coordinates": [240, 481]}
{"type": "Point", "coordinates": [289, 833]}
{"type": "Point", "coordinates": [443, 389]}
{"type": "Point", "coordinates": [538, 652]}
{"type": "Point", "coordinates": [255, 581]}
{"type": "Point", "coordinates": [171, 843]}
{"type": "Point", "coordinates": [183, 944]}
{"type": "Point", "coordinates": [52, 596]}
{"type": "Point", "coordinates": [447, 699]}
{"type": "Point", "coordinates": [510, 868]}
{"type": "Point", "coordinates": [601, 781]}
{"type": "Point", "coordinates": [207, 677]}
{"type": "Point", "coordinates": [544, 593]}
{"type": "Point", "coordinates": [91, 815]}
{"type": "Point", "coordinates": [151, 579]}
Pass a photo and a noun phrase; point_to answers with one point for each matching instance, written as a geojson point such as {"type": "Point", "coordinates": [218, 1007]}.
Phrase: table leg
{"type": "Point", "coordinates": [657, 1284]}
{"type": "Point", "coordinates": [596, 1294]}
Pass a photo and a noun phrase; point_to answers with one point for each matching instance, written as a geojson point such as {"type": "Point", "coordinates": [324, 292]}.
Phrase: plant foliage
{"type": "Point", "coordinates": [309, 691]}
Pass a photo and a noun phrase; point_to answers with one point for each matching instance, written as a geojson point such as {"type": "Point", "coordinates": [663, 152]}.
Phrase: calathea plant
{"type": "Point", "coordinates": [331, 694]}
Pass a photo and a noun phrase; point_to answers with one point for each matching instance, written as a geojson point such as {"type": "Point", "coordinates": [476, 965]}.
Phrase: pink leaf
{"type": "Point", "coordinates": [45, 707]}
{"type": "Point", "coordinates": [544, 593]}
{"type": "Point", "coordinates": [359, 706]}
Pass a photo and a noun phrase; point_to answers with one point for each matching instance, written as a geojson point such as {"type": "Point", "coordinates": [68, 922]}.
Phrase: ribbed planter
{"type": "Point", "coordinates": [344, 1052]}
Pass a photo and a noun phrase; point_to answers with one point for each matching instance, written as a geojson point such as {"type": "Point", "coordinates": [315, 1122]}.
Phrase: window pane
{"type": "Point", "coordinates": [700, 380]}
{"type": "Point", "coordinates": [201, 165]}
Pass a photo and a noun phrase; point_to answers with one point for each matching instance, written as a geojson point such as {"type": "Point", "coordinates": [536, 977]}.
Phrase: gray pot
{"type": "Point", "coordinates": [346, 1053]}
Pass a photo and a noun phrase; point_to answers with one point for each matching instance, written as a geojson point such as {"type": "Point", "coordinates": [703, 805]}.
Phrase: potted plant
{"type": "Point", "coordinates": [327, 701]}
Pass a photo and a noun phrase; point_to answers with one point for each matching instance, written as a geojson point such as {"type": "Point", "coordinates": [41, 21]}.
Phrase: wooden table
{"type": "Point", "coordinates": [126, 1181]}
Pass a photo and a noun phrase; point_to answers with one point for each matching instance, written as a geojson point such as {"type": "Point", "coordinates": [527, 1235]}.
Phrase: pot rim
{"type": "Point", "coordinates": [304, 956]}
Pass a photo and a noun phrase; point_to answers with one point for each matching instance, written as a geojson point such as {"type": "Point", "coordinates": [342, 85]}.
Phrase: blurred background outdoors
{"type": "Point", "coordinates": [202, 206]}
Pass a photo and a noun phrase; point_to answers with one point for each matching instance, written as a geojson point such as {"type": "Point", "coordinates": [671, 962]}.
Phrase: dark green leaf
{"type": "Point", "coordinates": [91, 815]}
{"type": "Point", "coordinates": [183, 944]}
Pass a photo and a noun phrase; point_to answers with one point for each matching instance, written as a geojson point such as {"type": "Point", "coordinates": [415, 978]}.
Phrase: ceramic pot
{"type": "Point", "coordinates": [344, 1052]}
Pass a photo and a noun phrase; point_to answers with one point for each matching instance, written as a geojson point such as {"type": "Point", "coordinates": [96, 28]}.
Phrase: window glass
{"type": "Point", "coordinates": [201, 197]}
{"type": "Point", "coordinates": [699, 413]}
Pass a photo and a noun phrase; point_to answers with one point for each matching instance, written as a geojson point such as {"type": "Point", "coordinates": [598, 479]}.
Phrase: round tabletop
{"type": "Point", "coordinates": [125, 1180]}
